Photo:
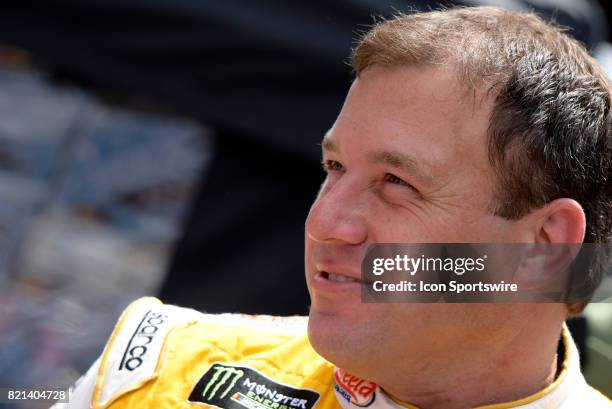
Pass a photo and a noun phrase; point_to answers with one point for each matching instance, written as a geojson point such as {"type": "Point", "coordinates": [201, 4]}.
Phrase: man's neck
{"type": "Point", "coordinates": [512, 373]}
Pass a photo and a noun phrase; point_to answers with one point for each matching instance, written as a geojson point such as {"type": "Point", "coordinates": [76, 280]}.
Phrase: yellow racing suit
{"type": "Point", "coordinates": [162, 356]}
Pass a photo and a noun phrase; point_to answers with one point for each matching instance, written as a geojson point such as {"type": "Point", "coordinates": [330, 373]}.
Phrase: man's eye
{"type": "Point", "coordinates": [332, 165]}
{"type": "Point", "coordinates": [391, 178]}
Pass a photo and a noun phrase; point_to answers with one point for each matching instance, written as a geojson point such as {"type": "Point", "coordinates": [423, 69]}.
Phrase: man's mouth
{"type": "Point", "coordinates": [338, 278]}
{"type": "Point", "coordinates": [326, 282]}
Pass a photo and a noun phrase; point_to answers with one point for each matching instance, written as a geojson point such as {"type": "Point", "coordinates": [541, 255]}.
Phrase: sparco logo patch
{"type": "Point", "coordinates": [138, 346]}
{"type": "Point", "coordinates": [239, 387]}
{"type": "Point", "coordinates": [355, 390]}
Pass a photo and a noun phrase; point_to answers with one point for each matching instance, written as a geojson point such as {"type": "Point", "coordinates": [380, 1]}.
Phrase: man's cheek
{"type": "Point", "coordinates": [308, 251]}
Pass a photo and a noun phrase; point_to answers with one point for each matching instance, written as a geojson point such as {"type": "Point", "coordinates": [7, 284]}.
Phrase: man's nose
{"type": "Point", "coordinates": [338, 215]}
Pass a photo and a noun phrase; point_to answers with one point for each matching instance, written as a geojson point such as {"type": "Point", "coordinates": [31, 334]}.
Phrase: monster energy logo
{"type": "Point", "coordinates": [239, 387]}
{"type": "Point", "coordinates": [224, 376]}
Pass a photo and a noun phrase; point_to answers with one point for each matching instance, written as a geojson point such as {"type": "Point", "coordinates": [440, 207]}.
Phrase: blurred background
{"type": "Point", "coordinates": [170, 148]}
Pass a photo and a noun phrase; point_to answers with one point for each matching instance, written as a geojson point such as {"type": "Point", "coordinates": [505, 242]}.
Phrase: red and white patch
{"type": "Point", "coordinates": [362, 392]}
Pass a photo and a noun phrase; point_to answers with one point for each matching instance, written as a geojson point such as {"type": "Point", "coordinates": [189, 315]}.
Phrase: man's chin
{"type": "Point", "coordinates": [343, 340]}
{"type": "Point", "coordinates": [330, 319]}
{"type": "Point", "coordinates": [325, 331]}
{"type": "Point", "coordinates": [334, 329]}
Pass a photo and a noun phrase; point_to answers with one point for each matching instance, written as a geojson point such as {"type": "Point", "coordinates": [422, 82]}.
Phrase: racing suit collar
{"type": "Point", "coordinates": [353, 392]}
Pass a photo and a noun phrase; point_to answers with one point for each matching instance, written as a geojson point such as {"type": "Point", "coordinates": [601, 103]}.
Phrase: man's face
{"type": "Point", "coordinates": [407, 163]}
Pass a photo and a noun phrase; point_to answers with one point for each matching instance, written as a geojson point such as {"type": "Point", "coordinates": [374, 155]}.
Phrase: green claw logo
{"type": "Point", "coordinates": [223, 375]}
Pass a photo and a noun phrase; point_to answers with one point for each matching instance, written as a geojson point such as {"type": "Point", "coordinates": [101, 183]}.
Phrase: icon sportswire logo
{"type": "Point", "coordinates": [238, 387]}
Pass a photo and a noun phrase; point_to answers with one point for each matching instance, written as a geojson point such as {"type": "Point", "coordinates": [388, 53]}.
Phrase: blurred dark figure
{"type": "Point", "coordinates": [269, 78]}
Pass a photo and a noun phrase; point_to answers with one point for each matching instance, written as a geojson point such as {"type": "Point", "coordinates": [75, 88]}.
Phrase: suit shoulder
{"type": "Point", "coordinates": [137, 348]}
{"type": "Point", "coordinates": [600, 401]}
{"type": "Point", "coordinates": [587, 397]}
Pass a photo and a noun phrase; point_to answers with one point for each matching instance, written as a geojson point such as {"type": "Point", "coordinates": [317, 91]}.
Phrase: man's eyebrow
{"type": "Point", "coordinates": [401, 161]}
{"type": "Point", "coordinates": [328, 144]}
{"type": "Point", "coordinates": [398, 160]}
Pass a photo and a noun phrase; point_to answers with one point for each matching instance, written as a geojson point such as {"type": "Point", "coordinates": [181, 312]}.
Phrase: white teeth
{"type": "Point", "coordinates": [341, 279]}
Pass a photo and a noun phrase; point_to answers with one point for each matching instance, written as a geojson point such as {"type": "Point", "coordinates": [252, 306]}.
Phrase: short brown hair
{"type": "Point", "coordinates": [549, 133]}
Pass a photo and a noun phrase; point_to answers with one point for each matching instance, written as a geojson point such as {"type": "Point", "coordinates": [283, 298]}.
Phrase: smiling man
{"type": "Point", "coordinates": [462, 126]}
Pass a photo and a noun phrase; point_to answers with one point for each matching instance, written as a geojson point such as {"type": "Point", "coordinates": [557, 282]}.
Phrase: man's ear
{"type": "Point", "coordinates": [561, 221]}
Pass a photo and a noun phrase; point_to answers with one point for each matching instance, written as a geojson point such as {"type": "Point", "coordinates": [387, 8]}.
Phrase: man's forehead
{"type": "Point", "coordinates": [415, 118]}
{"type": "Point", "coordinates": [411, 84]}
